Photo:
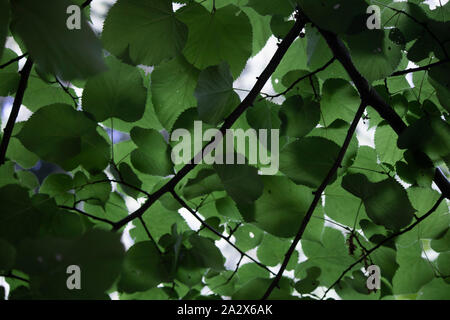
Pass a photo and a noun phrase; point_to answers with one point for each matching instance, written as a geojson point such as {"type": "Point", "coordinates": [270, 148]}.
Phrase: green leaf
{"type": "Point", "coordinates": [72, 54]}
{"type": "Point", "coordinates": [143, 268]}
{"type": "Point", "coordinates": [334, 15]}
{"type": "Point", "coordinates": [68, 144]}
{"type": "Point", "coordinates": [58, 186]}
{"type": "Point", "coordinates": [429, 134]}
{"type": "Point", "coordinates": [89, 190]}
{"type": "Point", "coordinates": [224, 35]}
{"type": "Point", "coordinates": [436, 289]}
{"type": "Point", "coordinates": [9, 78]}
{"type": "Point", "coordinates": [331, 256]}
{"type": "Point", "coordinates": [40, 93]}
{"type": "Point", "coordinates": [173, 84]}
{"type": "Point", "coordinates": [241, 182]}
{"type": "Point", "coordinates": [340, 100]}
{"type": "Point", "coordinates": [153, 154]}
{"type": "Point", "coordinates": [310, 283]}
{"type": "Point", "coordinates": [386, 202]}
{"type": "Point", "coordinates": [376, 47]}
{"type": "Point", "coordinates": [206, 254]}
{"type": "Point", "coordinates": [128, 21]}
{"type": "Point", "coordinates": [255, 289]}
{"type": "Point", "coordinates": [299, 117]}
{"type": "Point", "coordinates": [98, 254]}
{"type": "Point", "coordinates": [4, 23]}
{"type": "Point", "coordinates": [267, 7]}
{"type": "Point", "coordinates": [414, 271]}
{"type": "Point", "coordinates": [215, 95]}
{"type": "Point", "coordinates": [7, 256]}
{"type": "Point", "coordinates": [17, 152]}
{"type": "Point", "coordinates": [281, 207]}
{"type": "Point", "coordinates": [117, 93]}
{"type": "Point", "coordinates": [387, 151]}
{"type": "Point", "coordinates": [271, 251]}
{"type": "Point", "coordinates": [307, 161]}
{"type": "Point", "coordinates": [204, 183]}
{"type": "Point", "coordinates": [127, 175]}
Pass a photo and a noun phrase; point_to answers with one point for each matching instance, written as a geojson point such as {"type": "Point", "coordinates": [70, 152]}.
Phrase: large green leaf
{"type": "Point", "coordinates": [69, 53]}
{"type": "Point", "coordinates": [117, 93]}
{"type": "Point", "coordinates": [143, 268]}
{"type": "Point", "coordinates": [334, 15]}
{"type": "Point", "coordinates": [376, 47]}
{"type": "Point", "coordinates": [69, 143]}
{"type": "Point", "coordinates": [298, 116]}
{"type": "Point", "coordinates": [215, 37]}
{"type": "Point", "coordinates": [173, 84]}
{"type": "Point", "coordinates": [386, 202]}
{"type": "Point", "coordinates": [307, 161]}
{"type": "Point", "coordinates": [153, 154]}
{"type": "Point", "coordinates": [281, 207]}
{"type": "Point", "coordinates": [340, 100]}
{"type": "Point", "coordinates": [5, 15]}
{"type": "Point", "coordinates": [215, 95]}
{"type": "Point", "coordinates": [242, 182]}
{"type": "Point", "coordinates": [98, 254]}
{"type": "Point", "coordinates": [143, 32]}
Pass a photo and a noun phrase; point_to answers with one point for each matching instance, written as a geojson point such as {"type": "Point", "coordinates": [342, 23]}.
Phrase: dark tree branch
{"type": "Point", "coordinates": [86, 3]}
{"type": "Point", "coordinates": [373, 99]}
{"type": "Point", "coordinates": [86, 214]}
{"type": "Point", "coordinates": [424, 68]}
{"type": "Point", "coordinates": [25, 74]}
{"type": "Point", "coordinates": [217, 233]}
{"type": "Point", "coordinates": [317, 197]}
{"type": "Point", "coordinates": [66, 90]}
{"type": "Point", "coordinates": [393, 236]}
{"type": "Point", "coordinates": [229, 121]}
{"type": "Point", "coordinates": [13, 60]}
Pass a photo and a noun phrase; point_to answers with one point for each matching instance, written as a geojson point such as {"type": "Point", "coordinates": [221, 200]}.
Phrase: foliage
{"type": "Point", "coordinates": [103, 106]}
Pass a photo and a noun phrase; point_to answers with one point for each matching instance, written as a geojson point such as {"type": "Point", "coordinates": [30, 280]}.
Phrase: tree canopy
{"type": "Point", "coordinates": [93, 163]}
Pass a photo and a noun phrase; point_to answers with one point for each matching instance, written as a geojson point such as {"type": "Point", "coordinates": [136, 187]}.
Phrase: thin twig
{"type": "Point", "coordinates": [217, 233]}
{"type": "Point", "coordinates": [13, 60]}
{"type": "Point", "coordinates": [86, 214]}
{"type": "Point", "coordinates": [7, 133]}
{"type": "Point", "coordinates": [309, 75]}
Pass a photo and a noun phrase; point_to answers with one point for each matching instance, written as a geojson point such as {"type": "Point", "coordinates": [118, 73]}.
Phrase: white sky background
{"type": "Point", "coordinates": [253, 69]}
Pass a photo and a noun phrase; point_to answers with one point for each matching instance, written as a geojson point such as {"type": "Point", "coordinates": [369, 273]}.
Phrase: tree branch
{"type": "Point", "coordinates": [25, 74]}
{"type": "Point", "coordinates": [393, 236]}
{"type": "Point", "coordinates": [13, 60]}
{"type": "Point", "coordinates": [317, 197]}
{"type": "Point", "coordinates": [229, 121]}
{"type": "Point", "coordinates": [373, 99]}
{"type": "Point", "coordinates": [87, 214]}
{"type": "Point", "coordinates": [302, 78]}
{"type": "Point", "coordinates": [424, 68]}
{"type": "Point", "coordinates": [217, 233]}
{"type": "Point", "coordinates": [86, 3]}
